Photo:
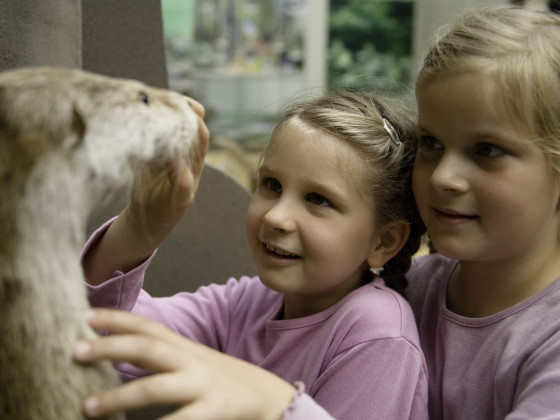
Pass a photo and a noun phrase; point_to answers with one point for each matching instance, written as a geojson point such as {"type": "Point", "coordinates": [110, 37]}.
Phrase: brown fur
{"type": "Point", "coordinates": [68, 141]}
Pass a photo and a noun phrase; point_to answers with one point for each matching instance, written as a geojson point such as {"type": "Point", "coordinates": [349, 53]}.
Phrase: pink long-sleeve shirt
{"type": "Point", "coordinates": [504, 366]}
{"type": "Point", "coordinates": [359, 359]}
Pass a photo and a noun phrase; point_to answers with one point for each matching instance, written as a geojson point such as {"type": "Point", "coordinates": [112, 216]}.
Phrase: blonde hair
{"type": "Point", "coordinates": [360, 119]}
{"type": "Point", "coordinates": [520, 48]}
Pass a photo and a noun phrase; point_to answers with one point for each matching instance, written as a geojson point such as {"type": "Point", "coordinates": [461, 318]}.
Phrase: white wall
{"type": "Point", "coordinates": [432, 14]}
{"type": "Point", "coordinates": [316, 43]}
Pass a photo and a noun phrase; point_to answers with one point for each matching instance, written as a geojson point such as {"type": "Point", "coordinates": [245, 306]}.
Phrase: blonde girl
{"type": "Point", "coordinates": [487, 184]}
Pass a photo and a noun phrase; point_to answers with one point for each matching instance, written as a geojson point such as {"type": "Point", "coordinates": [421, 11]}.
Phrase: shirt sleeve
{"type": "Point", "coordinates": [202, 317]}
{"type": "Point", "coordinates": [538, 384]}
{"type": "Point", "coordinates": [383, 379]}
{"type": "Point", "coordinates": [303, 407]}
{"type": "Point", "coordinates": [123, 289]}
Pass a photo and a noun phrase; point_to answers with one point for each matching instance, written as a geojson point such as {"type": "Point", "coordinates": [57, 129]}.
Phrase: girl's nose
{"type": "Point", "coordinates": [448, 175]}
{"type": "Point", "coordinates": [281, 216]}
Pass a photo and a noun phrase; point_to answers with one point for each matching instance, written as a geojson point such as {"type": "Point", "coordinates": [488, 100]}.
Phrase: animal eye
{"type": "Point", "coordinates": [144, 97]}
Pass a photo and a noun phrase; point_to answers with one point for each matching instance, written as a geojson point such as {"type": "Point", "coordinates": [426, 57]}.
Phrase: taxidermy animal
{"type": "Point", "coordinates": [69, 140]}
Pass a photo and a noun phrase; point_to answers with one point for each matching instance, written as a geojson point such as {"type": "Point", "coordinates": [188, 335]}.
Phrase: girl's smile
{"type": "Point", "coordinates": [310, 227]}
{"type": "Point", "coordinates": [277, 254]}
{"type": "Point", "coordinates": [485, 191]}
{"type": "Point", "coordinates": [450, 217]}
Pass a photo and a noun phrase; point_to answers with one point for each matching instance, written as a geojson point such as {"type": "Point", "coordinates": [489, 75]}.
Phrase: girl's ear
{"type": "Point", "coordinates": [391, 238]}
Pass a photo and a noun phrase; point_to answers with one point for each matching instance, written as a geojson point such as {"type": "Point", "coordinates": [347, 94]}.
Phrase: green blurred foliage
{"type": "Point", "coordinates": [370, 44]}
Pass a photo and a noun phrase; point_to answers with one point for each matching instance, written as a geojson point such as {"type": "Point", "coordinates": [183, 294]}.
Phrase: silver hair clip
{"type": "Point", "coordinates": [392, 132]}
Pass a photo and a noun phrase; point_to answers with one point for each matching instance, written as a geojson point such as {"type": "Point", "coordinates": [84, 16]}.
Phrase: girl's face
{"type": "Point", "coordinates": [484, 190]}
{"type": "Point", "coordinates": [310, 227]}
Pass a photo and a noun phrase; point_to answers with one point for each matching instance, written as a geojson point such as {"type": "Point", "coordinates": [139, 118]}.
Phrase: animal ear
{"type": "Point", "coordinates": [77, 127]}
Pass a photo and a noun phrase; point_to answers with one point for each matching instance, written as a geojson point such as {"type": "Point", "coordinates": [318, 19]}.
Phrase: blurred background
{"type": "Point", "coordinates": [243, 59]}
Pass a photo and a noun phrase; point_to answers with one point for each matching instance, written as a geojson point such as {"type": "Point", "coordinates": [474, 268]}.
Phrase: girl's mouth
{"type": "Point", "coordinates": [448, 216]}
{"type": "Point", "coordinates": [278, 252]}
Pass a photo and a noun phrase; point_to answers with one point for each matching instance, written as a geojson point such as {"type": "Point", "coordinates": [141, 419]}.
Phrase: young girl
{"type": "Point", "coordinates": [333, 200]}
{"type": "Point", "coordinates": [487, 185]}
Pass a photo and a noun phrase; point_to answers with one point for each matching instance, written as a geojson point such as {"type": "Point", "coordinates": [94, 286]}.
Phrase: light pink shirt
{"type": "Point", "coordinates": [505, 366]}
{"type": "Point", "coordinates": [359, 359]}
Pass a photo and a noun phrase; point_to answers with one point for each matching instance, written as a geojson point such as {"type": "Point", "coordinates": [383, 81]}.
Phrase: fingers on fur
{"type": "Point", "coordinates": [152, 390]}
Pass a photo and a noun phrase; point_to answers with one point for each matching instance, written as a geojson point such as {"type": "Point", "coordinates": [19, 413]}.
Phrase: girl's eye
{"type": "Point", "coordinates": [272, 184]}
{"type": "Point", "coordinates": [429, 142]}
{"type": "Point", "coordinates": [318, 200]}
{"type": "Point", "coordinates": [489, 150]}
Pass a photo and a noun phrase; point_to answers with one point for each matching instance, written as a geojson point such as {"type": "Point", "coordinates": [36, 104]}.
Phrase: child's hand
{"type": "Point", "coordinates": [160, 197]}
{"type": "Point", "coordinates": [162, 193]}
{"type": "Point", "coordinates": [204, 383]}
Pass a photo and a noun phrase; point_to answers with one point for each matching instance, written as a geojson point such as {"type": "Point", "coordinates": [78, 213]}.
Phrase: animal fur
{"type": "Point", "coordinates": [68, 141]}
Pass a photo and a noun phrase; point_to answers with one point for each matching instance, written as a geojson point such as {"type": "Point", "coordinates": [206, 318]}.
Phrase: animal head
{"type": "Point", "coordinates": [87, 124]}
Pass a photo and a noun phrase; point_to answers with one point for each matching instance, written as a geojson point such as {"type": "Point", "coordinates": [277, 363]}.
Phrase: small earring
{"type": "Point", "coordinates": [376, 270]}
